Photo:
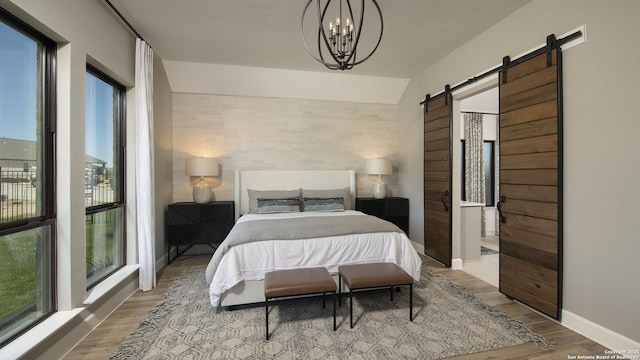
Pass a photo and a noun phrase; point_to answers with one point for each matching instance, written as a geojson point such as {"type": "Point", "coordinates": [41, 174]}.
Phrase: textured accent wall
{"type": "Point", "coordinates": [272, 133]}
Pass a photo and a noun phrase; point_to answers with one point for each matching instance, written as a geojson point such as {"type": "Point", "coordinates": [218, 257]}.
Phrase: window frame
{"type": "Point", "coordinates": [48, 216]}
{"type": "Point", "coordinates": [120, 202]}
{"type": "Point", "coordinates": [489, 201]}
{"type": "Point", "coordinates": [492, 202]}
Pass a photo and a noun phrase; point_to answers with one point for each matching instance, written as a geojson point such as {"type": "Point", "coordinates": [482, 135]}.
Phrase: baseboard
{"type": "Point", "coordinates": [456, 264]}
{"type": "Point", "coordinates": [162, 262]}
{"type": "Point", "coordinates": [598, 333]}
{"type": "Point", "coordinates": [419, 247]}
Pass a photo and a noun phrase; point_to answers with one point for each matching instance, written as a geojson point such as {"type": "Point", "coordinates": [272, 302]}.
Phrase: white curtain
{"type": "Point", "coordinates": [145, 199]}
{"type": "Point", "coordinates": [474, 160]}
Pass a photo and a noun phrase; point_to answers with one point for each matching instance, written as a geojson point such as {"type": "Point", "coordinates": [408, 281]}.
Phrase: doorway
{"type": "Point", "coordinates": [485, 106]}
{"type": "Point", "coordinates": [482, 260]}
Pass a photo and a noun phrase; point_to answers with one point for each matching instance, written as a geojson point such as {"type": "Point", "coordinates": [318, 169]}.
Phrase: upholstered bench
{"type": "Point", "coordinates": [298, 282]}
{"type": "Point", "coordinates": [371, 276]}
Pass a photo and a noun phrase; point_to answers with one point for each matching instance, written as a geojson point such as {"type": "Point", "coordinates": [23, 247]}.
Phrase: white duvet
{"type": "Point", "coordinates": [252, 260]}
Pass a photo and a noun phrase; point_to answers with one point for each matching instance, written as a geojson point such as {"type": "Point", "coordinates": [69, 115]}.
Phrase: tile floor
{"type": "Point", "coordinates": [487, 267]}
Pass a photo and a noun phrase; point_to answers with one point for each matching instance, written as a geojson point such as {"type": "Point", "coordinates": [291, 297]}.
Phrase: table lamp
{"type": "Point", "coordinates": [379, 167]}
{"type": "Point", "coordinates": [202, 167]}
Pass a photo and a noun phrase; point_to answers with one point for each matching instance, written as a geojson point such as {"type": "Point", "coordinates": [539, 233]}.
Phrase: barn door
{"type": "Point", "coordinates": [437, 177]}
{"type": "Point", "coordinates": [530, 206]}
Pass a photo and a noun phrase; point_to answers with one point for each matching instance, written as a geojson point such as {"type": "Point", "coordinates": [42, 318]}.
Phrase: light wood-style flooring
{"type": "Point", "coordinates": [104, 340]}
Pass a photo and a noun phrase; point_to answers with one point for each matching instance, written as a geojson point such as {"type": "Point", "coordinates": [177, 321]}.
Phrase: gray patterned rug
{"type": "Point", "coordinates": [448, 321]}
{"type": "Point", "coordinates": [487, 251]}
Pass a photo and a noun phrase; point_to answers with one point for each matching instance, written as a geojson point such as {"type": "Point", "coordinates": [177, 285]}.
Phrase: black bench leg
{"type": "Point", "coordinates": [351, 308]}
{"type": "Point", "coordinates": [411, 302]}
{"type": "Point", "coordinates": [334, 311]}
{"type": "Point", "coordinates": [266, 324]}
{"type": "Point", "coordinates": [391, 288]}
{"type": "Point", "coordinates": [339, 290]}
{"type": "Point", "coordinates": [324, 301]}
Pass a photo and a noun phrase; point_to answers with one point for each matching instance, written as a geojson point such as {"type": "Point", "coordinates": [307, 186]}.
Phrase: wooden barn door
{"type": "Point", "coordinates": [437, 177]}
{"type": "Point", "coordinates": [530, 203]}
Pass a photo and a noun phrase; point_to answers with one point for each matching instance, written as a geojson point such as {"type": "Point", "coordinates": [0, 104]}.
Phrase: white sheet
{"type": "Point", "coordinates": [251, 261]}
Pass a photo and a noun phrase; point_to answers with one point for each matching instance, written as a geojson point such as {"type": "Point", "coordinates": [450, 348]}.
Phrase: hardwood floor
{"type": "Point", "coordinates": [104, 340]}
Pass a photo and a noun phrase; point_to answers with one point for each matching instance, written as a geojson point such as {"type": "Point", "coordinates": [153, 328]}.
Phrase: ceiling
{"type": "Point", "coordinates": [266, 33]}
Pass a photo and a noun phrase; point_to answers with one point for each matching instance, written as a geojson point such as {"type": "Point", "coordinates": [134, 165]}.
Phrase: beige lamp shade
{"type": "Point", "coordinates": [379, 166]}
{"type": "Point", "coordinates": [202, 167]}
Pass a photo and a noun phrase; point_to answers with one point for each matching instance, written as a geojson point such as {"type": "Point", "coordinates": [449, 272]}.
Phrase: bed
{"type": "Point", "coordinates": [329, 234]}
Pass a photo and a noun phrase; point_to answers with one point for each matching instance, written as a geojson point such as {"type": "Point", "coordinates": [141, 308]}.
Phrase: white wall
{"type": "Point", "coordinates": [163, 153]}
{"type": "Point", "coordinates": [601, 163]}
{"type": "Point", "coordinates": [188, 77]}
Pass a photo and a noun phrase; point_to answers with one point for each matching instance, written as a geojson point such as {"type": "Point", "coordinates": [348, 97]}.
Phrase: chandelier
{"type": "Point", "coordinates": [339, 33]}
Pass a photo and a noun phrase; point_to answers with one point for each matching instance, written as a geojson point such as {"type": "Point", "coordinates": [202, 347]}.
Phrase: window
{"type": "Point", "coordinates": [27, 218]}
{"type": "Point", "coordinates": [104, 175]}
{"type": "Point", "coordinates": [489, 172]}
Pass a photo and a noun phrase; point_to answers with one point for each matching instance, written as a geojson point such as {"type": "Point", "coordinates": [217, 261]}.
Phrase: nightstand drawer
{"type": "Point", "coordinates": [191, 224]}
{"type": "Point", "coordinates": [392, 209]}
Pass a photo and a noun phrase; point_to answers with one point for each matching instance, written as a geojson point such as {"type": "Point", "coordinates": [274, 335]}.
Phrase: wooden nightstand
{"type": "Point", "coordinates": [191, 224]}
{"type": "Point", "coordinates": [392, 209]}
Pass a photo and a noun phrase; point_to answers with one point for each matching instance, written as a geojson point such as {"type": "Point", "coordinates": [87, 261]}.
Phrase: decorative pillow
{"type": "Point", "coordinates": [269, 194]}
{"type": "Point", "coordinates": [323, 204]}
{"type": "Point", "coordinates": [331, 193]}
{"type": "Point", "coordinates": [272, 206]}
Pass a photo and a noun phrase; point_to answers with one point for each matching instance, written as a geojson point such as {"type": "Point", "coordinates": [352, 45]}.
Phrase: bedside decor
{"type": "Point", "coordinates": [202, 167]}
{"type": "Point", "coordinates": [379, 167]}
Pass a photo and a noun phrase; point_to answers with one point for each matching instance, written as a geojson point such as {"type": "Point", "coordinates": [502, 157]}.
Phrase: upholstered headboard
{"type": "Point", "coordinates": [290, 179]}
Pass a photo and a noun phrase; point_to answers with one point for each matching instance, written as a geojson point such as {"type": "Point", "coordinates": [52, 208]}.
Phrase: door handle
{"type": "Point", "coordinates": [444, 203]}
{"type": "Point", "coordinates": [503, 199]}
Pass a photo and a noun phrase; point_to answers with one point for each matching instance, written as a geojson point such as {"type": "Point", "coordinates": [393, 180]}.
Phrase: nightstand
{"type": "Point", "coordinates": [191, 224]}
{"type": "Point", "coordinates": [392, 209]}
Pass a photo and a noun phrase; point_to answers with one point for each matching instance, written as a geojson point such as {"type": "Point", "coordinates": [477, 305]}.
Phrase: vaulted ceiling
{"type": "Point", "coordinates": [266, 33]}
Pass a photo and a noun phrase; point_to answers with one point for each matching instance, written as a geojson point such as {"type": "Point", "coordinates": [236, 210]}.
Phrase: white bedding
{"type": "Point", "coordinates": [252, 260]}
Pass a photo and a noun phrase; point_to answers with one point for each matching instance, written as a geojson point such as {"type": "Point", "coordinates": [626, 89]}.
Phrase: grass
{"type": "Point", "coordinates": [17, 271]}
{"type": "Point", "coordinates": [18, 261]}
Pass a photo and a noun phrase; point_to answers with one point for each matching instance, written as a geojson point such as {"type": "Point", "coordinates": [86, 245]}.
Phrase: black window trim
{"type": "Point", "coordinates": [120, 202]}
{"type": "Point", "coordinates": [49, 115]}
{"type": "Point", "coordinates": [48, 217]}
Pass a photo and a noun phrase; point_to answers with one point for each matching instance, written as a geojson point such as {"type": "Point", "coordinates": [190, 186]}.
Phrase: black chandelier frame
{"type": "Point", "coordinates": [342, 60]}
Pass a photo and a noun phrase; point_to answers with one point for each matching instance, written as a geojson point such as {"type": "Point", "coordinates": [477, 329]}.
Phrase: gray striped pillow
{"type": "Point", "coordinates": [272, 206]}
{"type": "Point", "coordinates": [323, 204]}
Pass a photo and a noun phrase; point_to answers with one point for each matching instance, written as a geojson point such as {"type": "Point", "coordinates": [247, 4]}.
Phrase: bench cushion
{"type": "Point", "coordinates": [298, 282]}
{"type": "Point", "coordinates": [362, 276]}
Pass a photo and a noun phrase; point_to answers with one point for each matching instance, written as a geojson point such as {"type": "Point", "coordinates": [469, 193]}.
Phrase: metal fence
{"type": "Point", "coordinates": [21, 198]}
{"type": "Point", "coordinates": [97, 188]}
{"type": "Point", "coordinates": [17, 195]}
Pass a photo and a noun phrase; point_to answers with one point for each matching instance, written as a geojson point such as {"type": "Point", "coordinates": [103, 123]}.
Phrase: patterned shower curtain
{"type": "Point", "coordinates": [474, 160]}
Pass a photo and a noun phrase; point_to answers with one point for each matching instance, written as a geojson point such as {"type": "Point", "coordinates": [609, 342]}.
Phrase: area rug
{"type": "Point", "coordinates": [448, 321]}
{"type": "Point", "coordinates": [487, 251]}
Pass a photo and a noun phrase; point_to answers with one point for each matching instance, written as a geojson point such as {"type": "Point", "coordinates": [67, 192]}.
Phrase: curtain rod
{"type": "Point", "coordinates": [123, 19]}
{"type": "Point", "coordinates": [558, 43]}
